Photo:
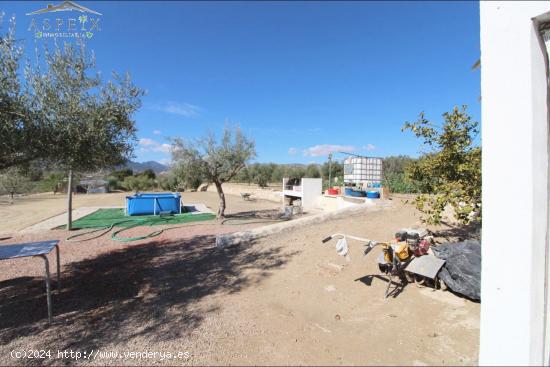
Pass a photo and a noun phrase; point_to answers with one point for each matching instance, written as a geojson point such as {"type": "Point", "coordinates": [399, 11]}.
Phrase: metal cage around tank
{"type": "Point", "coordinates": [361, 170]}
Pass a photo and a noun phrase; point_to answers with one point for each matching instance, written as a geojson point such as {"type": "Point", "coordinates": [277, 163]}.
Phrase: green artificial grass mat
{"type": "Point", "coordinates": [117, 217]}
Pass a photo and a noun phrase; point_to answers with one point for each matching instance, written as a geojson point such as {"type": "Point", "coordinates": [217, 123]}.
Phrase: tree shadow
{"type": "Point", "coordinates": [256, 214]}
{"type": "Point", "coordinates": [151, 290]}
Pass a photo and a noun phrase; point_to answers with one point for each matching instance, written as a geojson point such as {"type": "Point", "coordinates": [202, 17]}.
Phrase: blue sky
{"type": "Point", "coordinates": [301, 78]}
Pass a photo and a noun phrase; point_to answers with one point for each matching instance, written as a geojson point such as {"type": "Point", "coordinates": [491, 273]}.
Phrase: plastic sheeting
{"type": "Point", "coordinates": [462, 269]}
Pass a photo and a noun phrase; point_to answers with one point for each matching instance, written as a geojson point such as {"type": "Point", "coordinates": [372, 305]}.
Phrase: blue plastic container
{"type": "Point", "coordinates": [354, 193]}
{"type": "Point", "coordinates": [373, 194]}
{"type": "Point", "coordinates": [153, 204]}
{"type": "Point", "coordinates": [377, 185]}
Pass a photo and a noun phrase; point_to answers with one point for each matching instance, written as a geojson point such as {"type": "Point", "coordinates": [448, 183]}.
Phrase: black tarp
{"type": "Point", "coordinates": [462, 269]}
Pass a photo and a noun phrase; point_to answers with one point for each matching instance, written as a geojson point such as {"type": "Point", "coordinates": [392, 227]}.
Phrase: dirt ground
{"type": "Point", "coordinates": [284, 299]}
{"type": "Point", "coordinates": [31, 209]}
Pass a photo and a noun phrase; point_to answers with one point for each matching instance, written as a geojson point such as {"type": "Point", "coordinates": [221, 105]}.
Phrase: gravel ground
{"type": "Point", "coordinates": [284, 299]}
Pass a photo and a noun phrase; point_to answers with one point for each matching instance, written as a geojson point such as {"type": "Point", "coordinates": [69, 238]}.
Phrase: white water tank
{"type": "Point", "coordinates": [359, 170]}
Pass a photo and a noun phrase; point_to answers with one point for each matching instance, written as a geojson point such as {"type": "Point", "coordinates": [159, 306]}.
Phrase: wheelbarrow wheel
{"type": "Point", "coordinates": [420, 281]}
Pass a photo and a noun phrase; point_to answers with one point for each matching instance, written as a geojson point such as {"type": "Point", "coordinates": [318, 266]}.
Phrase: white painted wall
{"type": "Point", "coordinates": [309, 191]}
{"type": "Point", "coordinates": [515, 134]}
{"type": "Point", "coordinates": [312, 188]}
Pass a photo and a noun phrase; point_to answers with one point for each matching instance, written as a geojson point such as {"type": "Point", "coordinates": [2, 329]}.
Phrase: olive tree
{"type": "Point", "coordinates": [14, 181]}
{"type": "Point", "coordinates": [91, 119]}
{"type": "Point", "coordinates": [216, 161]}
{"type": "Point", "coordinates": [187, 177]}
{"type": "Point", "coordinates": [168, 182]}
{"type": "Point", "coordinates": [450, 171]}
{"type": "Point", "coordinates": [21, 132]}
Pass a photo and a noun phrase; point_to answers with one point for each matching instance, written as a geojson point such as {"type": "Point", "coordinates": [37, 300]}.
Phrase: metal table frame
{"type": "Point", "coordinates": [32, 249]}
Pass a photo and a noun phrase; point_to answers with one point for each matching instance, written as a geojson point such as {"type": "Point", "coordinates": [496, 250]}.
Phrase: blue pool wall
{"type": "Point", "coordinates": [153, 203]}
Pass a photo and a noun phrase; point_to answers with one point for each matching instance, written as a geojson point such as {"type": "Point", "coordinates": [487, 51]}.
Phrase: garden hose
{"type": "Point", "coordinates": [104, 230]}
{"type": "Point", "coordinates": [114, 237]}
{"type": "Point", "coordinates": [140, 222]}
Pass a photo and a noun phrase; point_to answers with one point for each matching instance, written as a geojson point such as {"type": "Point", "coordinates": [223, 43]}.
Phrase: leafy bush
{"type": "Point", "coordinates": [400, 183]}
{"type": "Point", "coordinates": [121, 174]}
{"type": "Point", "coordinates": [450, 174]}
{"type": "Point", "coordinates": [149, 173]}
{"type": "Point", "coordinates": [13, 181]}
{"type": "Point", "coordinates": [168, 182]}
{"type": "Point", "coordinates": [138, 183]}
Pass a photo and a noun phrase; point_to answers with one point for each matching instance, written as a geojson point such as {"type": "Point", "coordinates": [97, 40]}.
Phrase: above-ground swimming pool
{"type": "Point", "coordinates": [153, 204]}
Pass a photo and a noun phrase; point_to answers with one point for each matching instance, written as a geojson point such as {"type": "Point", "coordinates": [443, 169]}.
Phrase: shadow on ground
{"type": "Point", "coordinates": [457, 233]}
{"type": "Point", "coordinates": [395, 289]}
{"type": "Point", "coordinates": [256, 214]}
{"type": "Point", "coordinates": [151, 290]}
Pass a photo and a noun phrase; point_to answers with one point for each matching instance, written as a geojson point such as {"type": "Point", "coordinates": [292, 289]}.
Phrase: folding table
{"type": "Point", "coordinates": [35, 249]}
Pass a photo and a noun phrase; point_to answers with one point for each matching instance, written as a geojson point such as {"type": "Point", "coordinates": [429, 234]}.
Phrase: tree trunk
{"type": "Point", "coordinates": [221, 195]}
{"type": "Point", "coordinates": [12, 193]}
{"type": "Point", "coordinates": [70, 200]}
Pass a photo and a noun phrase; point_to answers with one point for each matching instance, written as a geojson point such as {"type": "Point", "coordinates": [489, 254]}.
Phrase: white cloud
{"type": "Point", "coordinates": [179, 108]}
{"type": "Point", "coordinates": [147, 142]}
{"type": "Point", "coordinates": [292, 151]}
{"type": "Point", "coordinates": [157, 132]}
{"type": "Point", "coordinates": [150, 145]}
{"type": "Point", "coordinates": [325, 149]}
{"type": "Point", "coordinates": [369, 147]}
{"type": "Point", "coordinates": [165, 148]}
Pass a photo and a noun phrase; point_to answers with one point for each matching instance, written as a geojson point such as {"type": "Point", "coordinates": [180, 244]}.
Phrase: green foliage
{"type": "Point", "coordinates": [265, 173]}
{"type": "Point", "coordinates": [121, 174]}
{"type": "Point", "coordinates": [186, 177]}
{"type": "Point", "coordinates": [295, 172]}
{"type": "Point", "coordinates": [138, 183]}
{"type": "Point", "coordinates": [245, 175]}
{"type": "Point", "coordinates": [396, 164]}
{"type": "Point", "coordinates": [54, 182]}
{"type": "Point", "coordinates": [336, 172]}
{"type": "Point", "coordinates": [262, 173]}
{"type": "Point", "coordinates": [14, 181]}
{"type": "Point", "coordinates": [21, 131]}
{"type": "Point", "coordinates": [215, 161]}
{"type": "Point", "coordinates": [90, 120]}
{"type": "Point", "coordinates": [400, 183]}
{"type": "Point", "coordinates": [450, 174]}
{"type": "Point", "coordinates": [63, 115]}
{"type": "Point", "coordinates": [168, 182]}
{"type": "Point", "coordinates": [86, 122]}
{"type": "Point", "coordinates": [313, 171]}
{"type": "Point", "coordinates": [149, 173]}
{"type": "Point", "coordinates": [395, 177]}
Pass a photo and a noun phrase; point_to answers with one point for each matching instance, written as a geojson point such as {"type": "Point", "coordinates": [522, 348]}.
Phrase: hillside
{"type": "Point", "coordinates": [138, 167]}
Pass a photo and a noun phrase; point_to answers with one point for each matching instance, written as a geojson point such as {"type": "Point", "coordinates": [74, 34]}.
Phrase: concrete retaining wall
{"type": "Point", "coordinates": [245, 236]}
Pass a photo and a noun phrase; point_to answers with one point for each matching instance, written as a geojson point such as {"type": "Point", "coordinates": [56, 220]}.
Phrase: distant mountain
{"type": "Point", "coordinates": [138, 167]}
